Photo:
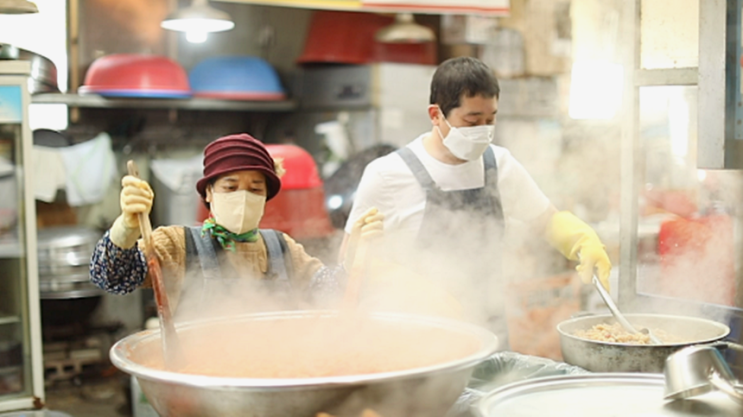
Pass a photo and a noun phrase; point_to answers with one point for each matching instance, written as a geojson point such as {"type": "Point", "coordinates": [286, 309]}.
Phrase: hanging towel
{"type": "Point", "coordinates": [90, 168]}
{"type": "Point", "coordinates": [49, 172]}
{"type": "Point", "coordinates": [179, 175]}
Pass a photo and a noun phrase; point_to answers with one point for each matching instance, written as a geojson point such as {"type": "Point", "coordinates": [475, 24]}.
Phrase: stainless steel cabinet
{"type": "Point", "coordinates": [21, 371]}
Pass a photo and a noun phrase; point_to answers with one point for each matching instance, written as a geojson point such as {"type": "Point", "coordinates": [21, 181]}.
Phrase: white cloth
{"type": "Point", "coordinates": [389, 185]}
{"type": "Point", "coordinates": [49, 172]}
{"type": "Point", "coordinates": [90, 167]}
{"type": "Point", "coordinates": [179, 175]}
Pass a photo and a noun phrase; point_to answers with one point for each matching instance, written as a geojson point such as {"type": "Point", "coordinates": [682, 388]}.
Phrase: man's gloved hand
{"type": "Point", "coordinates": [136, 197]}
{"type": "Point", "coordinates": [368, 227]}
{"type": "Point", "coordinates": [578, 242]}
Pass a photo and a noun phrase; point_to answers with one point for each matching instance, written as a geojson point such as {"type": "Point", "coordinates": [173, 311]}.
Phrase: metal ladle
{"type": "Point", "coordinates": [618, 315]}
{"type": "Point", "coordinates": [696, 370]}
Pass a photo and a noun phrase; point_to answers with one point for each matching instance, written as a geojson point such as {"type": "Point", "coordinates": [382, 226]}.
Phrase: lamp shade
{"type": "Point", "coordinates": [200, 17]}
{"type": "Point", "coordinates": [405, 30]}
{"type": "Point", "coordinates": [17, 7]}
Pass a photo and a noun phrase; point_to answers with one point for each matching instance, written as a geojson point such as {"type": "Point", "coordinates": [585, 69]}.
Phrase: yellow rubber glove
{"type": "Point", "coordinates": [136, 197]}
{"type": "Point", "coordinates": [578, 242]}
{"type": "Point", "coordinates": [368, 227]}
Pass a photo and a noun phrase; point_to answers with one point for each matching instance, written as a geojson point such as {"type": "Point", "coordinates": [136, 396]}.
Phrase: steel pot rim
{"type": "Point", "coordinates": [724, 329]}
{"type": "Point", "coordinates": [121, 360]}
{"type": "Point", "coordinates": [485, 404]}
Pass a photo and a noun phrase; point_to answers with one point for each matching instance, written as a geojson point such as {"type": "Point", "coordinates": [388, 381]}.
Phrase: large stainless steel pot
{"type": "Point", "coordinates": [428, 391]}
{"type": "Point", "coordinates": [623, 357]}
{"type": "Point", "coordinates": [600, 395]}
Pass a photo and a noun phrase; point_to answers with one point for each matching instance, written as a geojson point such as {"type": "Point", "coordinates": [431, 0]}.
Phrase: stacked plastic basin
{"type": "Point", "coordinates": [136, 75]}
{"type": "Point", "coordinates": [151, 76]}
{"type": "Point", "coordinates": [236, 78]}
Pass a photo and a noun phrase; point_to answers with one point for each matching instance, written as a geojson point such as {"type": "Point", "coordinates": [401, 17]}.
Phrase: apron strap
{"type": "Point", "coordinates": [425, 180]}
{"type": "Point", "coordinates": [416, 166]}
{"type": "Point", "coordinates": [491, 168]}
{"type": "Point", "coordinates": [202, 248]}
{"type": "Point", "coordinates": [277, 259]}
{"type": "Point", "coordinates": [491, 180]}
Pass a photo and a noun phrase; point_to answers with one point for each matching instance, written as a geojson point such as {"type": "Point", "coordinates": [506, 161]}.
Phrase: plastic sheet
{"type": "Point", "coordinates": [504, 368]}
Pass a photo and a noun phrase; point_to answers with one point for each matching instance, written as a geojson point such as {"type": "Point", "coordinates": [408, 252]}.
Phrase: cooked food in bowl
{"type": "Point", "coordinates": [366, 413]}
{"type": "Point", "coordinates": [615, 333]}
{"type": "Point", "coordinates": [313, 347]}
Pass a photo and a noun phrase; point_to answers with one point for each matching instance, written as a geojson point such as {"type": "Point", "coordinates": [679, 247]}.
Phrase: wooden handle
{"type": "Point", "coordinates": [355, 277]}
{"type": "Point", "coordinates": [172, 351]}
{"type": "Point", "coordinates": [145, 227]}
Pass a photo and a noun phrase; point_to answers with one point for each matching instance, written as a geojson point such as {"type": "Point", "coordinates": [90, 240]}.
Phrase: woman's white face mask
{"type": "Point", "coordinates": [238, 211]}
{"type": "Point", "coordinates": [468, 143]}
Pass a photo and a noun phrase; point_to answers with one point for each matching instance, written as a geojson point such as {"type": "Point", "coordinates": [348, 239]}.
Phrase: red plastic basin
{"type": "Point", "coordinates": [136, 75]}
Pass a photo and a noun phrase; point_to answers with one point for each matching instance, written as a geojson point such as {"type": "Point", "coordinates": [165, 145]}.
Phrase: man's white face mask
{"type": "Point", "coordinates": [468, 143]}
{"type": "Point", "coordinates": [238, 211]}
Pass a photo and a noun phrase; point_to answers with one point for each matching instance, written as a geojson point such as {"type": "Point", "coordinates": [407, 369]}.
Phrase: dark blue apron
{"type": "Point", "coordinates": [217, 276]}
{"type": "Point", "coordinates": [466, 227]}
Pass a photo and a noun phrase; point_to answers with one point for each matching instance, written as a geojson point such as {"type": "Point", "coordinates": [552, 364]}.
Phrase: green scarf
{"type": "Point", "coordinates": [226, 238]}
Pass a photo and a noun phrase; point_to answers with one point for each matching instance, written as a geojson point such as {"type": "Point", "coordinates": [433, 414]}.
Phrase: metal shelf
{"type": "Point", "coordinates": [95, 101]}
{"type": "Point", "coordinates": [10, 248]}
{"type": "Point", "coordinates": [9, 319]}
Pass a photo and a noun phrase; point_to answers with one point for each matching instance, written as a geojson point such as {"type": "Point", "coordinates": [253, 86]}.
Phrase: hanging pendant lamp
{"type": "Point", "coordinates": [17, 7]}
{"type": "Point", "coordinates": [405, 30]}
{"type": "Point", "coordinates": [198, 20]}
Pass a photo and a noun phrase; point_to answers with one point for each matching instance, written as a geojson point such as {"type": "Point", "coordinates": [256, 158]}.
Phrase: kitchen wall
{"type": "Point", "coordinates": [109, 26]}
{"type": "Point", "coordinates": [133, 26]}
{"type": "Point", "coordinates": [106, 27]}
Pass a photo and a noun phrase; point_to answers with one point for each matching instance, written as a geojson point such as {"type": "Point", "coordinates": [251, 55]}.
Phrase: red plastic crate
{"type": "Point", "coordinates": [697, 259]}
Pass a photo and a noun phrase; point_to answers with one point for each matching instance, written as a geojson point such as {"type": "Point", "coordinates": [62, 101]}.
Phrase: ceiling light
{"type": "Point", "coordinates": [196, 37]}
{"type": "Point", "coordinates": [17, 7]}
{"type": "Point", "coordinates": [405, 30]}
{"type": "Point", "coordinates": [198, 20]}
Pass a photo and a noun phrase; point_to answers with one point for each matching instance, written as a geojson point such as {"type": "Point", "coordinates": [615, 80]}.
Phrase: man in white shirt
{"type": "Point", "coordinates": [447, 196]}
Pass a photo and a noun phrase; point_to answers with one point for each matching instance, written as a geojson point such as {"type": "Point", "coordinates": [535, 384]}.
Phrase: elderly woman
{"type": "Point", "coordinates": [227, 262]}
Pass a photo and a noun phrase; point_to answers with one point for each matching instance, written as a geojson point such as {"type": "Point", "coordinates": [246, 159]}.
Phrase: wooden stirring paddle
{"type": "Point", "coordinates": [355, 278]}
{"type": "Point", "coordinates": [172, 351]}
{"type": "Point", "coordinates": [359, 267]}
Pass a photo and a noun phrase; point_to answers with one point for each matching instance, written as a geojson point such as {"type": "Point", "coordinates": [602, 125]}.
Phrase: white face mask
{"type": "Point", "coordinates": [468, 143]}
{"type": "Point", "coordinates": [238, 211]}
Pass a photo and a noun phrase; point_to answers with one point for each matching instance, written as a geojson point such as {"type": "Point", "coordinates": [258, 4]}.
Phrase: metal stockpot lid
{"type": "Point", "coordinates": [66, 236]}
{"type": "Point", "coordinates": [600, 395]}
{"type": "Point", "coordinates": [36, 413]}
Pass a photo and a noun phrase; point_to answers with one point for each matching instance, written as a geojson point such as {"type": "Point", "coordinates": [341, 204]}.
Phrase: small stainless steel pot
{"type": "Point", "coordinates": [696, 370]}
{"type": "Point", "coordinates": [598, 356]}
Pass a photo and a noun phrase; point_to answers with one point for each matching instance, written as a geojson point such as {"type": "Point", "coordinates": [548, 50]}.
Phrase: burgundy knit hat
{"type": "Point", "coordinates": [236, 153]}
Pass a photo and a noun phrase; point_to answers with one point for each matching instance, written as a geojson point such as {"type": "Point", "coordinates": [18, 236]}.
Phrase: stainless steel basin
{"type": "Point", "coordinates": [427, 391]}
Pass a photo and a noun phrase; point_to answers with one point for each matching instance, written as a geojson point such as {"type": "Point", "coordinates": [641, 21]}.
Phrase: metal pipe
{"type": "Point", "coordinates": [630, 155]}
{"type": "Point", "coordinates": [73, 33]}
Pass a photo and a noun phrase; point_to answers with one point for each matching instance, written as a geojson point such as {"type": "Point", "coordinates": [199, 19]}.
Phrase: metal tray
{"type": "Point", "coordinates": [600, 395]}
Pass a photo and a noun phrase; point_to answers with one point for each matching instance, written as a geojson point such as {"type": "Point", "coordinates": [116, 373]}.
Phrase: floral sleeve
{"type": "Point", "coordinates": [117, 270]}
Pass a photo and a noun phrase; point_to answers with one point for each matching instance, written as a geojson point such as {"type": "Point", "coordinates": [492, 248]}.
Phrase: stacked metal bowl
{"type": "Point", "coordinates": [43, 71]}
{"type": "Point", "coordinates": [64, 255]}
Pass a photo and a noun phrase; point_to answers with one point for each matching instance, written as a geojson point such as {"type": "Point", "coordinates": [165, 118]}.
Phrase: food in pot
{"type": "Point", "coordinates": [615, 333]}
{"type": "Point", "coordinates": [366, 413]}
{"type": "Point", "coordinates": [312, 347]}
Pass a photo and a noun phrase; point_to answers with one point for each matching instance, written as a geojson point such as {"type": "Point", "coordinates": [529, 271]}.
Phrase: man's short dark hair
{"type": "Point", "coordinates": [463, 75]}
